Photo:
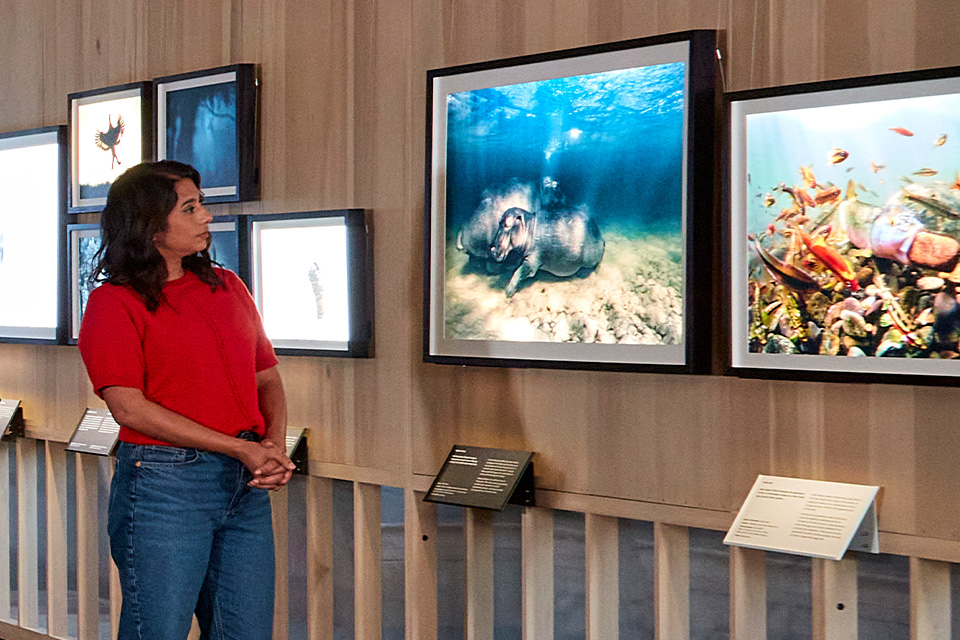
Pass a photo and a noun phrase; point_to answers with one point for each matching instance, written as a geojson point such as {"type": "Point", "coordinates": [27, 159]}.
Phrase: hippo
{"type": "Point", "coordinates": [476, 235]}
{"type": "Point", "coordinates": [561, 242]}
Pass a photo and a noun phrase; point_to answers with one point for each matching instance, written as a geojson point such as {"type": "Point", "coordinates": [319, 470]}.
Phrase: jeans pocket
{"type": "Point", "coordinates": [151, 455]}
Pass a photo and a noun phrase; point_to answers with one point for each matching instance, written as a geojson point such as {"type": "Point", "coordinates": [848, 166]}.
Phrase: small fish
{"type": "Point", "coordinates": [837, 156]}
{"type": "Point", "coordinates": [825, 196]}
{"type": "Point", "coordinates": [808, 180]}
{"type": "Point", "coordinates": [902, 131]}
{"type": "Point", "coordinates": [769, 200]}
{"type": "Point", "coordinates": [877, 168]}
{"type": "Point", "coordinates": [941, 140]}
{"type": "Point", "coordinates": [925, 172]}
{"type": "Point", "coordinates": [956, 181]}
{"type": "Point", "coordinates": [849, 169]}
{"type": "Point", "coordinates": [784, 273]}
{"type": "Point", "coordinates": [805, 197]}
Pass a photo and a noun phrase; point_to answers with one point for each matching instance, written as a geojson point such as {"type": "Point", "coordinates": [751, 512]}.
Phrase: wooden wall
{"type": "Point", "coordinates": [343, 89]}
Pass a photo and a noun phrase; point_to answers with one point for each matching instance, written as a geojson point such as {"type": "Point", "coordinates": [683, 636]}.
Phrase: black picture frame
{"type": "Point", "coordinates": [226, 153]}
{"type": "Point", "coordinates": [83, 241]}
{"type": "Point", "coordinates": [225, 242]}
{"type": "Point", "coordinates": [32, 162]}
{"type": "Point", "coordinates": [100, 120]}
{"type": "Point", "coordinates": [874, 301]}
{"type": "Point", "coordinates": [303, 313]}
{"type": "Point", "coordinates": [465, 203]}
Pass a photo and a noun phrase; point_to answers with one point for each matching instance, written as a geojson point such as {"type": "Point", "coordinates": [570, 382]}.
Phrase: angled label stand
{"type": "Point", "coordinates": [11, 419]}
{"type": "Point", "coordinates": [297, 449]}
{"type": "Point", "coordinates": [484, 478]}
{"type": "Point", "coordinates": [97, 433]}
{"type": "Point", "coordinates": [807, 517]}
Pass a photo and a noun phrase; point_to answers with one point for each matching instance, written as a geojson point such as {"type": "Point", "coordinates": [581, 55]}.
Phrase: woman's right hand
{"type": "Point", "coordinates": [269, 465]}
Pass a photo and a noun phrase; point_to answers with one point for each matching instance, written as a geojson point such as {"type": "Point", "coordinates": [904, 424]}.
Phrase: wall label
{"type": "Point", "coordinates": [297, 449]}
{"type": "Point", "coordinates": [807, 517]}
{"type": "Point", "coordinates": [11, 419]}
{"type": "Point", "coordinates": [97, 433]}
{"type": "Point", "coordinates": [484, 478]}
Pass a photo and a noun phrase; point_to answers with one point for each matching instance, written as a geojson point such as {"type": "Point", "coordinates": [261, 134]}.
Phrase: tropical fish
{"type": "Point", "coordinates": [876, 168]}
{"type": "Point", "coordinates": [902, 131]}
{"type": "Point", "coordinates": [808, 180]}
{"type": "Point", "coordinates": [925, 172]}
{"type": "Point", "coordinates": [769, 201]}
{"type": "Point", "coordinates": [825, 196]}
{"type": "Point", "coordinates": [805, 197]}
{"type": "Point", "coordinates": [941, 140]}
{"type": "Point", "coordinates": [785, 274]}
{"type": "Point", "coordinates": [837, 156]}
{"type": "Point", "coordinates": [831, 258]}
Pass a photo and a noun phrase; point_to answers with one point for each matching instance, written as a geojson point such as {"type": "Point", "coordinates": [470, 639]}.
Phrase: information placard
{"type": "Point", "coordinates": [807, 517]}
{"type": "Point", "coordinates": [484, 478]}
{"type": "Point", "coordinates": [97, 433]}
{"type": "Point", "coordinates": [297, 449]}
{"type": "Point", "coordinates": [11, 419]}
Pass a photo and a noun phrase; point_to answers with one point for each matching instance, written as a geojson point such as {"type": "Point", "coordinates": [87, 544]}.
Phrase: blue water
{"type": "Point", "coordinates": [778, 144]}
{"type": "Point", "coordinates": [612, 141]}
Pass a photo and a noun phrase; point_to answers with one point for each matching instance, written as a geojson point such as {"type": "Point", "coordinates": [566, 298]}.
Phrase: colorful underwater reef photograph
{"type": "Point", "coordinates": [846, 231]}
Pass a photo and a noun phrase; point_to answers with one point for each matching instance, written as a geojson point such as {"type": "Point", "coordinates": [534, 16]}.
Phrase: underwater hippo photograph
{"type": "Point", "coordinates": [848, 232]}
{"type": "Point", "coordinates": [560, 202]}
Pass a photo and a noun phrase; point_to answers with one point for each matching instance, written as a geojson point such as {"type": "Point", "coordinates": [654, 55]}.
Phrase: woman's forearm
{"type": "Point", "coordinates": [273, 406]}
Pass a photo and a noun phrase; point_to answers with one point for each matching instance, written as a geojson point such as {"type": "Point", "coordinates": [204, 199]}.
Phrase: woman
{"type": "Point", "coordinates": [176, 349]}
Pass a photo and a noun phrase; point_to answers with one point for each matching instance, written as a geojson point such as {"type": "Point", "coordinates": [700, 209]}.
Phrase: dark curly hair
{"type": "Point", "coordinates": [138, 204]}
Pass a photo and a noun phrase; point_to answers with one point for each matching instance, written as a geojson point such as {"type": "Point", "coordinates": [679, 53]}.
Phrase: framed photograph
{"type": "Point", "coordinates": [564, 194]}
{"type": "Point", "coordinates": [225, 242]}
{"type": "Point", "coordinates": [111, 130]}
{"type": "Point", "coordinates": [844, 229]}
{"type": "Point", "coordinates": [33, 179]}
{"type": "Point", "coordinates": [208, 119]}
{"type": "Point", "coordinates": [311, 275]}
{"type": "Point", "coordinates": [83, 242]}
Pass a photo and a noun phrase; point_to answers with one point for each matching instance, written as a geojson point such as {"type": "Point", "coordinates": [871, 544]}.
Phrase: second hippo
{"type": "Point", "coordinates": [561, 242]}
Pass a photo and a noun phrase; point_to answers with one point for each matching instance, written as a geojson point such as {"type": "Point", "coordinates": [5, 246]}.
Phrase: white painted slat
{"type": "Point", "coordinates": [537, 566]}
{"type": "Point", "coordinates": [319, 558]}
{"type": "Point", "coordinates": [748, 594]}
{"type": "Point", "coordinates": [367, 553]}
{"type": "Point", "coordinates": [56, 479]}
{"type": "Point", "coordinates": [88, 599]}
{"type": "Point", "coordinates": [4, 530]}
{"type": "Point", "coordinates": [835, 599]}
{"type": "Point", "coordinates": [671, 582]}
{"type": "Point", "coordinates": [929, 600]}
{"type": "Point", "coordinates": [479, 569]}
{"type": "Point", "coordinates": [28, 590]}
{"type": "Point", "coordinates": [281, 597]}
{"type": "Point", "coordinates": [601, 539]}
{"type": "Point", "coordinates": [420, 566]}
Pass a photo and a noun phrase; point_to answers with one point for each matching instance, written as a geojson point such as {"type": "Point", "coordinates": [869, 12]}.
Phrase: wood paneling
{"type": "Point", "coordinates": [342, 114]}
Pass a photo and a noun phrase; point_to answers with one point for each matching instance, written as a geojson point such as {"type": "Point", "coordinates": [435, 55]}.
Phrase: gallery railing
{"type": "Point", "coordinates": [834, 585]}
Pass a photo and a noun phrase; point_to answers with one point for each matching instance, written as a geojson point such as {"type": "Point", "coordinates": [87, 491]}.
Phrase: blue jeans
{"type": "Point", "coordinates": [189, 536]}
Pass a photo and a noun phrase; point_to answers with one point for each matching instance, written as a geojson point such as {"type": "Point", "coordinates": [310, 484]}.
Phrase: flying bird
{"type": "Point", "coordinates": [110, 138]}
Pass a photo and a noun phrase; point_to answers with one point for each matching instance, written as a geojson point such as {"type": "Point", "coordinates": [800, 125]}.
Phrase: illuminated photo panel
{"type": "Point", "coordinates": [845, 229]}
{"type": "Point", "coordinates": [32, 173]}
{"type": "Point", "coordinates": [309, 278]}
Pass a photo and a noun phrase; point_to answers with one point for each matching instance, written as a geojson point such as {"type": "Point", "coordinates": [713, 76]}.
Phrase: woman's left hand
{"type": "Point", "coordinates": [272, 475]}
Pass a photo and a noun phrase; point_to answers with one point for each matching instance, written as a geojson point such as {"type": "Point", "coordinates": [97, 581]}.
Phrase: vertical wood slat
{"type": "Point", "coordinates": [367, 549]}
{"type": "Point", "coordinates": [56, 480]}
{"type": "Point", "coordinates": [4, 530]}
{"type": "Point", "coordinates": [929, 600]}
{"type": "Point", "coordinates": [835, 599]}
{"type": "Point", "coordinates": [281, 598]}
{"type": "Point", "coordinates": [537, 573]}
{"type": "Point", "coordinates": [671, 582]}
{"type": "Point", "coordinates": [748, 594]}
{"type": "Point", "coordinates": [88, 577]}
{"type": "Point", "coordinates": [28, 589]}
{"type": "Point", "coordinates": [420, 566]}
{"type": "Point", "coordinates": [319, 558]}
{"type": "Point", "coordinates": [479, 570]}
{"type": "Point", "coordinates": [116, 597]}
{"type": "Point", "coordinates": [602, 537]}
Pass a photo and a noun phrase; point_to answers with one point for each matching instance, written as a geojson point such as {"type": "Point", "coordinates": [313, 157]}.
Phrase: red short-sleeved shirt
{"type": "Point", "coordinates": [198, 354]}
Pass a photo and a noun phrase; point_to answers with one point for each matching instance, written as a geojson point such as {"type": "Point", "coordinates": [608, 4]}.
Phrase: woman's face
{"type": "Point", "coordinates": [186, 231]}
